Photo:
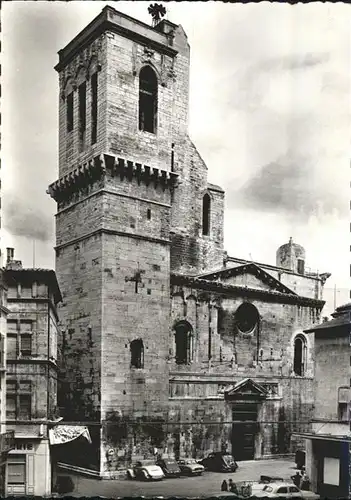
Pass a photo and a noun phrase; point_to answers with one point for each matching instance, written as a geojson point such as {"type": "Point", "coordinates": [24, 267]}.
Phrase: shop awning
{"type": "Point", "coordinates": [64, 433]}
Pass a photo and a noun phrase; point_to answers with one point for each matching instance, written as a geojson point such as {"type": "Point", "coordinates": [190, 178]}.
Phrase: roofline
{"type": "Point", "coordinates": [227, 272]}
{"type": "Point", "coordinates": [49, 274]}
{"type": "Point", "coordinates": [271, 266]}
{"type": "Point", "coordinates": [102, 23]}
{"type": "Point", "coordinates": [218, 287]}
{"type": "Point", "coordinates": [324, 437]}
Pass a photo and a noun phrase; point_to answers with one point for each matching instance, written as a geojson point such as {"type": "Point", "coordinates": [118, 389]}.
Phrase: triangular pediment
{"type": "Point", "coordinates": [245, 389]}
{"type": "Point", "coordinates": [250, 276]}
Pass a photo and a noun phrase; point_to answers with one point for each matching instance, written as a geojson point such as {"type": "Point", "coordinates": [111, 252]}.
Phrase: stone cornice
{"type": "Point", "coordinates": [137, 31]}
{"type": "Point", "coordinates": [234, 290]}
{"type": "Point", "coordinates": [86, 174]}
{"type": "Point", "coordinates": [124, 234]}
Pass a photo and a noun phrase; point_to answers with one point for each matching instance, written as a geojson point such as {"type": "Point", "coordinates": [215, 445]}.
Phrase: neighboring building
{"type": "Point", "coordinates": [32, 370]}
{"type": "Point", "coordinates": [6, 437]}
{"type": "Point", "coordinates": [328, 445]}
{"type": "Point", "coordinates": [166, 340]}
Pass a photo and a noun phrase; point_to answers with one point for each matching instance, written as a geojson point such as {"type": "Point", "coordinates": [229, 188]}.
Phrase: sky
{"type": "Point", "coordinates": [269, 113]}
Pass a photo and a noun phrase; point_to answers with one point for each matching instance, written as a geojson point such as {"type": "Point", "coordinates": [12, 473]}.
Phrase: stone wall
{"type": "Point", "coordinates": [332, 357]}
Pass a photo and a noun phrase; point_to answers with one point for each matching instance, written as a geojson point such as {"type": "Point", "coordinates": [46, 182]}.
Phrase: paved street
{"type": "Point", "coordinates": [207, 485]}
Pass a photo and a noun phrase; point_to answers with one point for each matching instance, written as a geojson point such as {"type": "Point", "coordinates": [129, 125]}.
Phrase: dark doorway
{"type": "Point", "coordinates": [243, 434]}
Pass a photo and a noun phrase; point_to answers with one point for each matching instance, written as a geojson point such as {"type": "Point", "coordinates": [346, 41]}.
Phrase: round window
{"type": "Point", "coordinates": [246, 317]}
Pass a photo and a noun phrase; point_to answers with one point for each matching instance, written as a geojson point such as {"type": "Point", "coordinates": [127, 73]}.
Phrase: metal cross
{"type": "Point", "coordinates": [136, 278]}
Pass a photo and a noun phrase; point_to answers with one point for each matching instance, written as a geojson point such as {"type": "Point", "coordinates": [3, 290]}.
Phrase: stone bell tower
{"type": "Point", "coordinates": [120, 107]}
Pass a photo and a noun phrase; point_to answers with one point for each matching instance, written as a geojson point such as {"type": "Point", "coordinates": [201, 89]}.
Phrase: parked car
{"type": "Point", "coordinates": [219, 462]}
{"type": "Point", "coordinates": [284, 490]}
{"type": "Point", "coordinates": [146, 470]}
{"type": "Point", "coordinates": [190, 467]}
{"type": "Point", "coordinates": [169, 467]}
{"type": "Point", "coordinates": [300, 459]}
{"type": "Point", "coordinates": [270, 479]}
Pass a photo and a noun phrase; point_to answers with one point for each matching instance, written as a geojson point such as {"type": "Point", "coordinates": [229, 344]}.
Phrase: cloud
{"type": "Point", "coordinates": [293, 62]}
{"type": "Point", "coordinates": [288, 186]}
{"type": "Point", "coordinates": [22, 218]}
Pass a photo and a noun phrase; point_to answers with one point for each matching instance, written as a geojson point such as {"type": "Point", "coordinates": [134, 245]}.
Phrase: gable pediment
{"type": "Point", "coordinates": [246, 389]}
{"type": "Point", "coordinates": [249, 276]}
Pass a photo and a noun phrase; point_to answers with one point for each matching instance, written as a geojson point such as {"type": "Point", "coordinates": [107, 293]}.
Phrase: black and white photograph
{"type": "Point", "coordinates": [175, 249]}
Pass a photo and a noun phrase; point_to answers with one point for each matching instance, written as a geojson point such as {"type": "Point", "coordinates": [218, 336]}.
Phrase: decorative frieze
{"type": "Point", "coordinates": [83, 66]}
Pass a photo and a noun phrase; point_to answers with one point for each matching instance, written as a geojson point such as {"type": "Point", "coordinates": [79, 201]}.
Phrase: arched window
{"type": "Point", "coordinates": [300, 355]}
{"type": "Point", "coordinates": [246, 317]}
{"type": "Point", "coordinates": [137, 353]}
{"type": "Point", "coordinates": [206, 212]}
{"type": "Point", "coordinates": [147, 100]}
{"type": "Point", "coordinates": [184, 342]}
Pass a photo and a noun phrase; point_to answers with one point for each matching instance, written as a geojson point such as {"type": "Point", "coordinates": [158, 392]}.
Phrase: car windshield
{"type": "Point", "coordinates": [145, 463]}
{"type": "Point", "coordinates": [268, 488]}
{"type": "Point", "coordinates": [190, 461]}
{"type": "Point", "coordinates": [170, 462]}
{"type": "Point", "coordinates": [228, 459]}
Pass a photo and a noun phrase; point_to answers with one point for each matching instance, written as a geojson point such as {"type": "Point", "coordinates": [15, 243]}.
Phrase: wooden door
{"type": "Point", "coordinates": [244, 431]}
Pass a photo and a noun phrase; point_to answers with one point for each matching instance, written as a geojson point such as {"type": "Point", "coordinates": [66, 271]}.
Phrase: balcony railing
{"type": "Point", "coordinates": [7, 441]}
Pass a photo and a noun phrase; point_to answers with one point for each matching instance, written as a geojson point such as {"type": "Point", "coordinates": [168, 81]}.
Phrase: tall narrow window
{"type": "Point", "coordinates": [300, 351]}
{"type": "Point", "coordinates": [26, 344]}
{"type": "Point", "coordinates": [137, 353]}
{"type": "Point", "coordinates": [82, 114]}
{"type": "Point", "coordinates": [147, 100]}
{"type": "Point", "coordinates": [206, 210]}
{"type": "Point", "coordinates": [69, 112]}
{"type": "Point", "coordinates": [94, 107]}
{"type": "Point", "coordinates": [184, 343]}
{"type": "Point", "coordinates": [12, 346]}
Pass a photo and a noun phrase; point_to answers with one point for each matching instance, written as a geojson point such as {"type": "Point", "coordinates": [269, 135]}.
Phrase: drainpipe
{"type": "Point", "coordinates": [48, 357]}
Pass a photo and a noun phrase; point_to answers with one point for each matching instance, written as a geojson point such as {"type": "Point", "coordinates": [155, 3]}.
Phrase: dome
{"type": "Point", "coordinates": [291, 256]}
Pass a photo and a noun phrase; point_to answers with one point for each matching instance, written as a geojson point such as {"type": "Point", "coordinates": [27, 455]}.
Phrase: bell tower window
{"type": "Point", "coordinates": [206, 212]}
{"type": "Point", "coordinates": [82, 115]}
{"type": "Point", "coordinates": [69, 112]}
{"type": "Point", "coordinates": [147, 100]}
{"type": "Point", "coordinates": [94, 107]}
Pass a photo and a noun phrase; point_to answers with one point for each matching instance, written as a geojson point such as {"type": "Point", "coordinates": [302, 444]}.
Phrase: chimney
{"type": "Point", "coordinates": [10, 254]}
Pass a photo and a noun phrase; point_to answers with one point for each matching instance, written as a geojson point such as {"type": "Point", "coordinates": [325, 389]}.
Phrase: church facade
{"type": "Point", "coordinates": [168, 344]}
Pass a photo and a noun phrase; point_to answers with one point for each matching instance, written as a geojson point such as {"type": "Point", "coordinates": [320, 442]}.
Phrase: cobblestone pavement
{"type": "Point", "coordinates": [207, 485]}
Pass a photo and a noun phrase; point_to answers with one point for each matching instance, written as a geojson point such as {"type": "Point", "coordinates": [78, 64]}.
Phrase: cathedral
{"type": "Point", "coordinates": [168, 344]}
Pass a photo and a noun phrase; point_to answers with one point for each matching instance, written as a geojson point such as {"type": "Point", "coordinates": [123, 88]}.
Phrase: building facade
{"type": "Point", "coordinates": [31, 383]}
{"type": "Point", "coordinates": [6, 437]}
{"type": "Point", "coordinates": [167, 343]}
{"type": "Point", "coordinates": [328, 444]}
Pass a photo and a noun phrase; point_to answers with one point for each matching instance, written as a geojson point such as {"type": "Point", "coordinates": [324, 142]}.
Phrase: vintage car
{"type": "Point", "coordinates": [190, 467]}
{"type": "Point", "coordinates": [146, 470]}
{"type": "Point", "coordinates": [284, 489]}
{"type": "Point", "coordinates": [169, 467]}
{"type": "Point", "coordinates": [219, 462]}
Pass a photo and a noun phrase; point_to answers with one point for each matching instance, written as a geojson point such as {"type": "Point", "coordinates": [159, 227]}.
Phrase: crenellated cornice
{"type": "Point", "coordinates": [85, 175]}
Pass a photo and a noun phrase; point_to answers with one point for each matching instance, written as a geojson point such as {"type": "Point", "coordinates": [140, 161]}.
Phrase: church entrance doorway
{"type": "Point", "coordinates": [244, 429]}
